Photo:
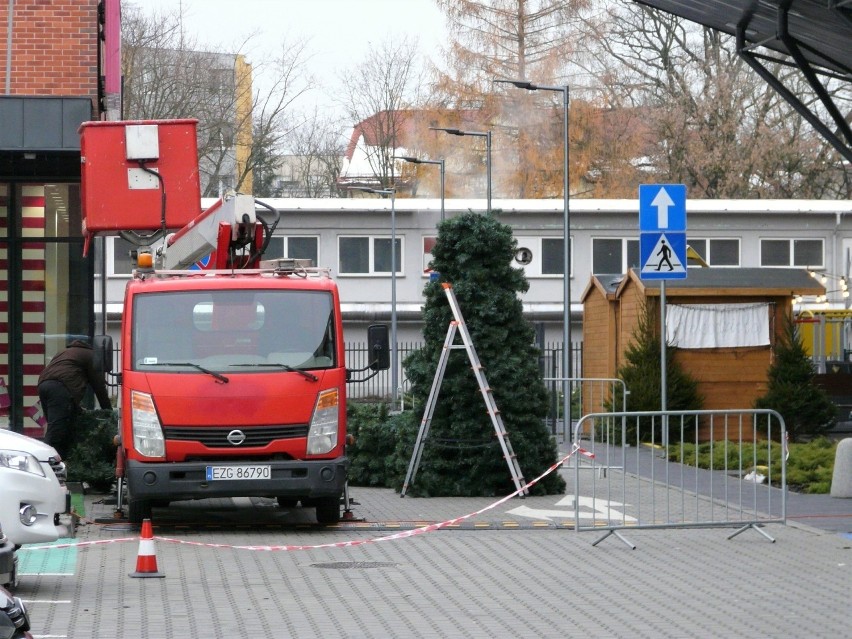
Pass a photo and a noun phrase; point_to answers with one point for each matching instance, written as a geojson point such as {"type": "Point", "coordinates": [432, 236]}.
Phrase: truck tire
{"type": "Point", "coordinates": [137, 510]}
{"type": "Point", "coordinates": [328, 510]}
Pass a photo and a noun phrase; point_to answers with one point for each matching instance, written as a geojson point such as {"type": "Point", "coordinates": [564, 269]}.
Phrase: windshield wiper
{"type": "Point", "coordinates": [286, 367]}
{"type": "Point", "coordinates": [219, 377]}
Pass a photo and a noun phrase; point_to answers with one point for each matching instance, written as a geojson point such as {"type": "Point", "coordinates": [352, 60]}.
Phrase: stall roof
{"type": "Point", "coordinates": [782, 282]}
{"type": "Point", "coordinates": [822, 28]}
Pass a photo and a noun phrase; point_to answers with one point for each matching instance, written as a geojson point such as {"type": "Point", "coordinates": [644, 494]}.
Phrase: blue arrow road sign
{"type": "Point", "coordinates": [662, 207]}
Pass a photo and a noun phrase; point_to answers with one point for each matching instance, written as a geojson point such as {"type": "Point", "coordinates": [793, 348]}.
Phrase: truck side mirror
{"type": "Point", "coordinates": [102, 345]}
{"type": "Point", "coordinates": [378, 346]}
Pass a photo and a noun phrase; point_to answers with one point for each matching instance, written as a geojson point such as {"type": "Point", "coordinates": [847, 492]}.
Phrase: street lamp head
{"type": "Point", "coordinates": [521, 84]}
{"type": "Point", "coordinates": [450, 131]}
{"type": "Point", "coordinates": [407, 158]}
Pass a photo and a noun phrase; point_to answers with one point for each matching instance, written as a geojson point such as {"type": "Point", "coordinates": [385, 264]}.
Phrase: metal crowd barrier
{"type": "Point", "coordinates": [588, 395]}
{"type": "Point", "coordinates": [627, 480]}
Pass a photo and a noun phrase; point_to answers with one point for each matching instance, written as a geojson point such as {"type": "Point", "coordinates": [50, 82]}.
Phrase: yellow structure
{"type": "Point", "coordinates": [824, 333]}
{"type": "Point", "coordinates": [242, 75]}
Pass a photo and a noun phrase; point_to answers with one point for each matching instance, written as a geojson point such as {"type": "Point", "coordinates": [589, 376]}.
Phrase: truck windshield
{"type": "Point", "coordinates": [233, 332]}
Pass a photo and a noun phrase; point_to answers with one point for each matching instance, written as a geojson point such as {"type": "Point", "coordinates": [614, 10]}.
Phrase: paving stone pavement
{"type": "Point", "coordinates": [497, 574]}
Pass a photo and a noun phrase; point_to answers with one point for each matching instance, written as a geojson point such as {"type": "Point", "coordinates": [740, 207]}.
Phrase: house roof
{"type": "Point", "coordinates": [732, 282]}
{"type": "Point", "coordinates": [410, 125]}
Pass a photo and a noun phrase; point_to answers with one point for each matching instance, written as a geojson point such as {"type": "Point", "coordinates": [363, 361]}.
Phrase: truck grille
{"type": "Point", "coordinates": [217, 437]}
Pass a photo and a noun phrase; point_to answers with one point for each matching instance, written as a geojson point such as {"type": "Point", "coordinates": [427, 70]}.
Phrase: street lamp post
{"type": "Point", "coordinates": [567, 364]}
{"type": "Point", "coordinates": [479, 134]}
{"type": "Point", "coordinates": [394, 346]}
{"type": "Point", "coordinates": [414, 160]}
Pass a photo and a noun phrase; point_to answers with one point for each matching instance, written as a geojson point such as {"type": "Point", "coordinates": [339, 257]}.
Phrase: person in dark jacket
{"type": "Point", "coordinates": [62, 386]}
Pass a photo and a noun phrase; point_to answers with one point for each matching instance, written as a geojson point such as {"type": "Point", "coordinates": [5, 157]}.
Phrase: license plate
{"type": "Point", "coordinates": [257, 471]}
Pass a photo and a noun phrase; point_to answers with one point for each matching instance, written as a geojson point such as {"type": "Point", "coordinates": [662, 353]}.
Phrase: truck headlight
{"type": "Point", "coordinates": [322, 435]}
{"type": "Point", "coordinates": [148, 437]}
{"type": "Point", "coordinates": [20, 460]}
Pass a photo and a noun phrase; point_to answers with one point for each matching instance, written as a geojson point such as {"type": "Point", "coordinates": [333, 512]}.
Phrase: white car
{"type": "Point", "coordinates": [32, 489]}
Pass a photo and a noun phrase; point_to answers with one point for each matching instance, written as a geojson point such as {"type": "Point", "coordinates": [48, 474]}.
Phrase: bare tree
{"type": "Point", "coordinates": [377, 92]}
{"type": "Point", "coordinates": [239, 128]}
{"type": "Point", "coordinates": [317, 149]}
{"type": "Point", "coordinates": [507, 39]}
{"type": "Point", "coordinates": [533, 40]}
{"type": "Point", "coordinates": [710, 122]}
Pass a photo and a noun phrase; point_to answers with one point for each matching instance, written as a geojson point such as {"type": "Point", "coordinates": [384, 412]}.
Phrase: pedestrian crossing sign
{"type": "Point", "coordinates": [662, 256]}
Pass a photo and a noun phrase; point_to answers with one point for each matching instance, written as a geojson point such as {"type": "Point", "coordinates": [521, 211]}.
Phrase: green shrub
{"type": "Point", "coordinates": [92, 457]}
{"type": "Point", "coordinates": [809, 467]}
{"type": "Point", "coordinates": [377, 455]}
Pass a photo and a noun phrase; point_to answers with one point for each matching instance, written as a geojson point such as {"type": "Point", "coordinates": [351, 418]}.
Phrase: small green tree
{"type": "Point", "coordinates": [792, 389]}
{"type": "Point", "coordinates": [92, 457]}
{"type": "Point", "coordinates": [641, 375]}
{"type": "Point", "coordinates": [462, 455]}
{"type": "Point", "coordinates": [378, 437]}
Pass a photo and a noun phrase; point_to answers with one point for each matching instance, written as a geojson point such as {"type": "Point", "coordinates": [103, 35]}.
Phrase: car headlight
{"type": "Point", "coordinates": [20, 460]}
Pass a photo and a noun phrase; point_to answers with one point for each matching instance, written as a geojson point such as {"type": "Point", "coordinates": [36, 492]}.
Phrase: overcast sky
{"type": "Point", "coordinates": [339, 32]}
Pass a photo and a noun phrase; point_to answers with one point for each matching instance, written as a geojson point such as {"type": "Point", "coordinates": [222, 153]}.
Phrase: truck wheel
{"type": "Point", "coordinates": [137, 510]}
{"type": "Point", "coordinates": [328, 510]}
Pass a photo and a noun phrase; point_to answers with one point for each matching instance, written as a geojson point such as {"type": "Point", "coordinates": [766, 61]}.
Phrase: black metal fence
{"type": "Point", "coordinates": [379, 386]}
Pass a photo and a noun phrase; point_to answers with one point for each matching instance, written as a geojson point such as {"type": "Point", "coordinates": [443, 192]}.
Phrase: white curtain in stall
{"type": "Point", "coordinates": [717, 325]}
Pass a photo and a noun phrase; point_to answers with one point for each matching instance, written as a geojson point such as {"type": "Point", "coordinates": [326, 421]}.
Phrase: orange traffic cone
{"type": "Point", "coordinates": [146, 561]}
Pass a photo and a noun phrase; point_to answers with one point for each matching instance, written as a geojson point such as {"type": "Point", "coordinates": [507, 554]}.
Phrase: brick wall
{"type": "Point", "coordinates": [54, 48]}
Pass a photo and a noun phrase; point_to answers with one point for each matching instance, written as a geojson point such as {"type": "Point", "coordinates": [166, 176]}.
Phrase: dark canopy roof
{"type": "Point", "coordinates": [816, 34]}
{"type": "Point", "coordinates": [822, 28]}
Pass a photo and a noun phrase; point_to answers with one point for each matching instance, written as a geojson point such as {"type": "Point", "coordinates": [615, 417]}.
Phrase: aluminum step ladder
{"type": "Point", "coordinates": [458, 325]}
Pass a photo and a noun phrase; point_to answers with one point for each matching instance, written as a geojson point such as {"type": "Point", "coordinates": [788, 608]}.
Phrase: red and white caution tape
{"type": "Point", "coordinates": [343, 544]}
{"type": "Point", "coordinates": [399, 535]}
{"type": "Point", "coordinates": [77, 544]}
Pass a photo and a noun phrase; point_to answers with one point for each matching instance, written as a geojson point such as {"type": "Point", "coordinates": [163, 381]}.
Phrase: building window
{"type": "Point", "coordinates": [553, 256]}
{"type": "Point", "coordinates": [717, 252]}
{"type": "Point", "coordinates": [614, 255]}
{"type": "Point", "coordinates": [804, 253]}
{"type": "Point", "coordinates": [367, 255]}
{"type": "Point", "coordinates": [300, 247]}
{"type": "Point", "coordinates": [118, 256]}
{"type": "Point", "coordinates": [542, 256]}
{"type": "Point", "coordinates": [428, 245]}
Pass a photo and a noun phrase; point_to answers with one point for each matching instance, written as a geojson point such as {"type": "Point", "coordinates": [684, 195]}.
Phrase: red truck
{"type": "Point", "coordinates": [233, 378]}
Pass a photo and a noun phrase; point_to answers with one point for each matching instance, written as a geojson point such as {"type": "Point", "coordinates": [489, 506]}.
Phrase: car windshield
{"type": "Point", "coordinates": [233, 331]}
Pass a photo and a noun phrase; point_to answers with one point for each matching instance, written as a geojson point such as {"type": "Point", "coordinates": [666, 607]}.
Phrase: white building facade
{"type": "Point", "coordinates": [352, 238]}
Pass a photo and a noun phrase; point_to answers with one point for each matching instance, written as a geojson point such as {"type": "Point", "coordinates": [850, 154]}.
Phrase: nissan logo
{"type": "Point", "coordinates": [236, 437]}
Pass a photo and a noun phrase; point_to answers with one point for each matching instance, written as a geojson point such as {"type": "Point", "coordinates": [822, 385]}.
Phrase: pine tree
{"type": "Point", "coordinates": [641, 376]}
{"type": "Point", "coordinates": [792, 389]}
{"type": "Point", "coordinates": [462, 455]}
